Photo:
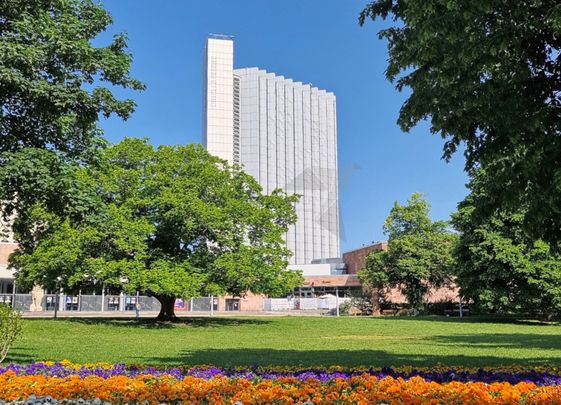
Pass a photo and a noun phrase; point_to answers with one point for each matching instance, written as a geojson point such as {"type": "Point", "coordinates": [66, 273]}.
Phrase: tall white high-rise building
{"type": "Point", "coordinates": [218, 93]}
{"type": "Point", "coordinates": [283, 133]}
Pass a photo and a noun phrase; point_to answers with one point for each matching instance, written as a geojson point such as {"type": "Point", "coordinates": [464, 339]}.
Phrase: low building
{"type": "Point", "coordinates": [355, 260]}
{"type": "Point", "coordinates": [326, 276]}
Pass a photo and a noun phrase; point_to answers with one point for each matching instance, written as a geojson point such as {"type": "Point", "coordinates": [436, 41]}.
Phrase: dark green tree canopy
{"type": "Point", "coordinates": [487, 74]}
{"type": "Point", "coordinates": [52, 77]}
{"type": "Point", "coordinates": [499, 267]}
{"type": "Point", "coordinates": [419, 254]}
{"type": "Point", "coordinates": [54, 85]}
{"type": "Point", "coordinates": [170, 222]}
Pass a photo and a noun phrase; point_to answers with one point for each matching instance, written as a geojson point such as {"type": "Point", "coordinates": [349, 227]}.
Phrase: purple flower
{"type": "Point", "coordinates": [256, 373]}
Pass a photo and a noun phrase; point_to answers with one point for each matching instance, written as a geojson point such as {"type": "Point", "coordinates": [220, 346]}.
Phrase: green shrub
{"type": "Point", "coordinates": [359, 304]}
{"type": "Point", "coordinates": [10, 327]}
{"type": "Point", "coordinates": [362, 304]}
{"type": "Point", "coordinates": [345, 308]}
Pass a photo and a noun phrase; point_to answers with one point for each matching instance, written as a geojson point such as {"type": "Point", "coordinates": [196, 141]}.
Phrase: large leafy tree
{"type": "Point", "coordinates": [487, 74]}
{"type": "Point", "coordinates": [53, 80]}
{"type": "Point", "coordinates": [170, 222]}
{"type": "Point", "coordinates": [54, 84]}
{"type": "Point", "coordinates": [499, 267]}
{"type": "Point", "coordinates": [419, 254]}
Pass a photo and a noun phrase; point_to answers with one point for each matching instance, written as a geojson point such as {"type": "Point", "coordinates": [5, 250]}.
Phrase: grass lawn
{"type": "Point", "coordinates": [306, 341]}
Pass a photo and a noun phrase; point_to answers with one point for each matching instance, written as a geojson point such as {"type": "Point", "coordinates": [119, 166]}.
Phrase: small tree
{"type": "Point", "coordinates": [170, 222]}
{"type": "Point", "coordinates": [10, 328]}
{"type": "Point", "coordinates": [419, 254]}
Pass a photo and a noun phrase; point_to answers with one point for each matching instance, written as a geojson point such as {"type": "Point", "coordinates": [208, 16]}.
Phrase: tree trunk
{"type": "Point", "coordinates": [376, 309]}
{"type": "Point", "coordinates": [167, 311]}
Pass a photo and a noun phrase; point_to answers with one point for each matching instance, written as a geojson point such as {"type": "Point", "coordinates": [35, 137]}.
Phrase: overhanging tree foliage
{"type": "Point", "coordinates": [54, 84]}
{"type": "Point", "coordinates": [419, 254]}
{"type": "Point", "coordinates": [487, 74]}
{"type": "Point", "coordinates": [499, 267]}
{"type": "Point", "coordinates": [171, 222]}
{"type": "Point", "coordinates": [52, 78]}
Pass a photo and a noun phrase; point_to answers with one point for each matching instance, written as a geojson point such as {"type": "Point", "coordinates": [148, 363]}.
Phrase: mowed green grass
{"type": "Point", "coordinates": [294, 341]}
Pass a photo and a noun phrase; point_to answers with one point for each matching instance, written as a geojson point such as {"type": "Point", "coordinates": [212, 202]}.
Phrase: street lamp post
{"type": "Point", "coordinates": [57, 295]}
{"type": "Point", "coordinates": [14, 294]}
{"type": "Point", "coordinates": [337, 299]}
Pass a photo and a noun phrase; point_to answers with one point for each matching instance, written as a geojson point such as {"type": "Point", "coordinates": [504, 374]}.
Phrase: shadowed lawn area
{"type": "Point", "coordinates": [304, 341]}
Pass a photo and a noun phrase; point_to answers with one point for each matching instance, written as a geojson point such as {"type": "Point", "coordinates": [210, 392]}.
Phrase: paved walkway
{"type": "Point", "coordinates": [153, 314]}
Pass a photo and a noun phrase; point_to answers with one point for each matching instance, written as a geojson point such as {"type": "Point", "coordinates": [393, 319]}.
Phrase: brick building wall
{"type": "Point", "coordinates": [5, 250]}
{"type": "Point", "coordinates": [6, 275]}
{"type": "Point", "coordinates": [344, 280]}
{"type": "Point", "coordinates": [355, 259]}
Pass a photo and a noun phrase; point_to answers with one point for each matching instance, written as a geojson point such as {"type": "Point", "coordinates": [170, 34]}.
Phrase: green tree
{"type": "Point", "coordinates": [487, 74]}
{"type": "Point", "coordinates": [419, 254]}
{"type": "Point", "coordinates": [54, 84]}
{"type": "Point", "coordinates": [51, 76]}
{"type": "Point", "coordinates": [499, 267]}
{"type": "Point", "coordinates": [171, 222]}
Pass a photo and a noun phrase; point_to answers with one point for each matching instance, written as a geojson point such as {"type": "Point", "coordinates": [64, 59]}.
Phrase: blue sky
{"type": "Point", "coordinates": [310, 41]}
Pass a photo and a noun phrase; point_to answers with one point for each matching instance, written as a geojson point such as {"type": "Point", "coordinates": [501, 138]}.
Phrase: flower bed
{"type": "Point", "coordinates": [126, 384]}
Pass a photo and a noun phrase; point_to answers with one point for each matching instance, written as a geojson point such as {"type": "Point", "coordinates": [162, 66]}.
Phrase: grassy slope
{"type": "Point", "coordinates": [306, 341]}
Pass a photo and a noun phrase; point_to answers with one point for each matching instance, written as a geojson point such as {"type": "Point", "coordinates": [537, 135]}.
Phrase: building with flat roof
{"type": "Point", "coordinates": [283, 133]}
{"type": "Point", "coordinates": [218, 96]}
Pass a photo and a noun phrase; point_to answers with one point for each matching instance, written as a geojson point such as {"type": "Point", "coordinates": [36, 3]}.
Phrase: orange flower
{"type": "Point", "coordinates": [364, 389]}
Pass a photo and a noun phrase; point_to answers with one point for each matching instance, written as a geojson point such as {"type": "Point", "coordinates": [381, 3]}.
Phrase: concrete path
{"type": "Point", "coordinates": [153, 314]}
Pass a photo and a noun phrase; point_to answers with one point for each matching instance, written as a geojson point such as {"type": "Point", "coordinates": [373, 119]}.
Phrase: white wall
{"type": "Point", "coordinates": [5, 272]}
{"type": "Point", "coordinates": [218, 108]}
{"type": "Point", "coordinates": [312, 269]}
{"type": "Point", "coordinates": [289, 141]}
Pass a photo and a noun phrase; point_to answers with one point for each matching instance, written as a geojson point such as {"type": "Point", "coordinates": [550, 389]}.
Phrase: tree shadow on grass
{"type": "Point", "coordinates": [502, 341]}
{"type": "Point", "coordinates": [144, 323]}
{"type": "Point", "coordinates": [205, 322]}
{"type": "Point", "coordinates": [18, 356]}
{"type": "Point", "coordinates": [498, 319]}
{"type": "Point", "coordinates": [346, 358]}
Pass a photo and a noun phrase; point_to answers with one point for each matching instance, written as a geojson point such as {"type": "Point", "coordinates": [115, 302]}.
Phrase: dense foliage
{"type": "Point", "coordinates": [54, 84]}
{"type": "Point", "coordinates": [419, 254]}
{"type": "Point", "coordinates": [499, 267]}
{"type": "Point", "coordinates": [487, 74]}
{"type": "Point", "coordinates": [170, 222]}
{"type": "Point", "coordinates": [51, 75]}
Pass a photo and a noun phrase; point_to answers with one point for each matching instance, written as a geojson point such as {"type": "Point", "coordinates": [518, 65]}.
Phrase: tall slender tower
{"type": "Point", "coordinates": [284, 134]}
{"type": "Point", "coordinates": [218, 97]}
